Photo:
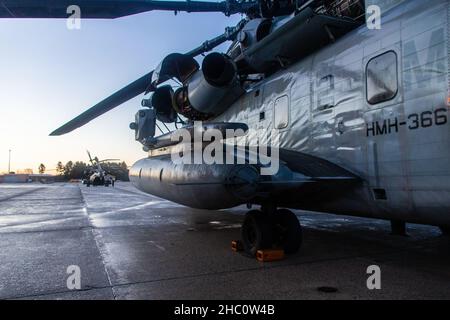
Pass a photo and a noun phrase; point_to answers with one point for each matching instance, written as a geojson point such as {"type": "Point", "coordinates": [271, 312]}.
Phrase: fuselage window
{"type": "Point", "coordinates": [382, 78]}
{"type": "Point", "coordinates": [281, 112]}
{"type": "Point", "coordinates": [325, 93]}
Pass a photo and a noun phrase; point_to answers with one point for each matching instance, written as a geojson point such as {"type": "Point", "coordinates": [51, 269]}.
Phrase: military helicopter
{"type": "Point", "coordinates": [361, 113]}
{"type": "Point", "coordinates": [95, 175]}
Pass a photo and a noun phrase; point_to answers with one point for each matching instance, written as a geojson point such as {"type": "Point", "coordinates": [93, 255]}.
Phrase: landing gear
{"type": "Point", "coordinates": [288, 231]}
{"type": "Point", "coordinates": [271, 229]}
{"type": "Point", "coordinates": [256, 232]}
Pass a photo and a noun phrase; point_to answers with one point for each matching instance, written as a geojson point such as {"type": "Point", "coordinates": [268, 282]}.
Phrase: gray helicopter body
{"type": "Point", "coordinates": [399, 146]}
{"type": "Point", "coordinates": [96, 175]}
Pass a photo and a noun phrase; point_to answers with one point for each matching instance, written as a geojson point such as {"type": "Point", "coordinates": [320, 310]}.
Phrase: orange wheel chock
{"type": "Point", "coordinates": [270, 255]}
{"type": "Point", "coordinates": [236, 246]}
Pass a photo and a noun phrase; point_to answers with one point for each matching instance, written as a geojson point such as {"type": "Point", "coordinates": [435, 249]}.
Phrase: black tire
{"type": "Point", "coordinates": [288, 231]}
{"type": "Point", "coordinates": [256, 232]}
{"type": "Point", "coordinates": [445, 231]}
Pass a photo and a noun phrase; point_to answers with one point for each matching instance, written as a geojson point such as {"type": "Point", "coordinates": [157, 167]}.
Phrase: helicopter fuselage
{"type": "Point", "coordinates": [375, 103]}
{"type": "Point", "coordinates": [399, 147]}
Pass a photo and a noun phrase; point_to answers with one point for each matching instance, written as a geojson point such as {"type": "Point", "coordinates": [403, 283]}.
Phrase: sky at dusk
{"type": "Point", "coordinates": [49, 74]}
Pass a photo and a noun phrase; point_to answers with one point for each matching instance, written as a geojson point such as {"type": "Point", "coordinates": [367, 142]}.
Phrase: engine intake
{"type": "Point", "coordinates": [218, 70]}
{"type": "Point", "coordinates": [211, 91]}
{"type": "Point", "coordinates": [161, 100]}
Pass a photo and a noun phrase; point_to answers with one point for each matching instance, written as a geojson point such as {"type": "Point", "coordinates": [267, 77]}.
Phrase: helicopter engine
{"type": "Point", "coordinates": [210, 91]}
{"type": "Point", "coordinates": [161, 101]}
{"type": "Point", "coordinates": [204, 94]}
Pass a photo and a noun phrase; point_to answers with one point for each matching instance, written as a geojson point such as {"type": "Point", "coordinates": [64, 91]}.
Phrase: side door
{"type": "Point", "coordinates": [322, 106]}
{"type": "Point", "coordinates": [386, 142]}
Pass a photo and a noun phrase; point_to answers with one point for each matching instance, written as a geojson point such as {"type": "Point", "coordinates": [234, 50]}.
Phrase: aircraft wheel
{"type": "Point", "coordinates": [288, 231]}
{"type": "Point", "coordinates": [256, 232]}
{"type": "Point", "coordinates": [445, 230]}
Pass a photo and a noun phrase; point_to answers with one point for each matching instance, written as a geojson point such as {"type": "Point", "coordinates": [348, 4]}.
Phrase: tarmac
{"type": "Point", "coordinates": [129, 245]}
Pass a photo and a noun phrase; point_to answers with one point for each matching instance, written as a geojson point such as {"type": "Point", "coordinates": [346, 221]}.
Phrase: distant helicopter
{"type": "Point", "coordinates": [95, 175]}
{"type": "Point", "coordinates": [361, 113]}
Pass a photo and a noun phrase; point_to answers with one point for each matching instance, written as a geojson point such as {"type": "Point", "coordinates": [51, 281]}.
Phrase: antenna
{"type": "Point", "coordinates": [9, 161]}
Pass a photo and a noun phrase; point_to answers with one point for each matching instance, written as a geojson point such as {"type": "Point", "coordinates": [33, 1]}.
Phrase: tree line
{"type": "Point", "coordinates": [79, 170]}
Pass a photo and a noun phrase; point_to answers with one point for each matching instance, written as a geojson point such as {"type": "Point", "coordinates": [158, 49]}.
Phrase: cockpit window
{"type": "Point", "coordinates": [382, 78]}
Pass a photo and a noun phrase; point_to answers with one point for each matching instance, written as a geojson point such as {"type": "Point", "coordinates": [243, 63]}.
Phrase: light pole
{"type": "Point", "coordinates": [9, 161]}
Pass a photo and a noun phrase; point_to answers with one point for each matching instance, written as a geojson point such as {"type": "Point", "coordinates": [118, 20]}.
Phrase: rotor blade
{"type": "Point", "coordinates": [142, 85]}
{"type": "Point", "coordinates": [89, 154]}
{"type": "Point", "coordinates": [105, 160]}
{"type": "Point", "coordinates": [129, 92]}
{"type": "Point", "coordinates": [110, 9]}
